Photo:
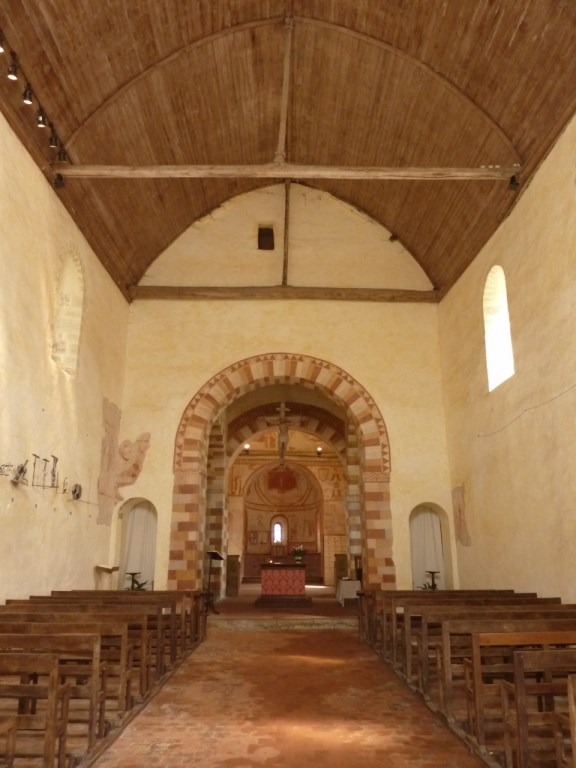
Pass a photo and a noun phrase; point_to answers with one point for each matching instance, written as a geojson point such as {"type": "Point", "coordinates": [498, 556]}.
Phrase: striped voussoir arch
{"type": "Point", "coordinates": [190, 459]}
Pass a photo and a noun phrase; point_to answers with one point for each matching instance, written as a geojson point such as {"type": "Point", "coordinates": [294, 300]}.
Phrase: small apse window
{"type": "Point", "coordinates": [277, 537]}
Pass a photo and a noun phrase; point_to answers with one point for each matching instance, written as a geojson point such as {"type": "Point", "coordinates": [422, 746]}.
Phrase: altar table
{"type": "Point", "coordinates": [283, 580]}
{"type": "Point", "coordinates": [347, 589]}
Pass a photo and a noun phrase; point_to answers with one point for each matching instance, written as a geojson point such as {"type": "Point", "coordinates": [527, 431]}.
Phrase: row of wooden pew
{"type": "Point", "coordinates": [499, 666]}
{"type": "Point", "coordinates": [77, 665]}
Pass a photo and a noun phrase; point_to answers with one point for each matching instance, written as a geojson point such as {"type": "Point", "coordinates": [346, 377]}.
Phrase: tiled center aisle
{"type": "Point", "coordinates": [286, 699]}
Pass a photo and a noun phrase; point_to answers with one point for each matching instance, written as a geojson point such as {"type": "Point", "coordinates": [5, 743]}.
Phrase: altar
{"type": "Point", "coordinates": [282, 582]}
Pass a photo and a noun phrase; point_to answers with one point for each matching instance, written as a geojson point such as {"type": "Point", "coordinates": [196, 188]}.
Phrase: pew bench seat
{"type": "Point", "coordinates": [491, 665]}
{"type": "Point", "coordinates": [531, 704]}
{"type": "Point", "coordinates": [31, 692]}
{"type": "Point", "coordinates": [8, 731]}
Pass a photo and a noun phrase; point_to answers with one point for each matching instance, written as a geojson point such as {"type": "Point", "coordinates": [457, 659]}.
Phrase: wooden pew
{"type": "Point", "coordinates": [566, 729]}
{"type": "Point", "coordinates": [80, 665]}
{"type": "Point", "coordinates": [136, 617]}
{"type": "Point", "coordinates": [8, 731]}
{"type": "Point", "coordinates": [117, 648]}
{"type": "Point", "coordinates": [415, 620]}
{"type": "Point", "coordinates": [367, 617]}
{"type": "Point", "coordinates": [31, 692]}
{"type": "Point", "coordinates": [455, 645]}
{"type": "Point", "coordinates": [421, 640]}
{"type": "Point", "coordinates": [531, 703]}
{"type": "Point", "coordinates": [393, 607]}
{"type": "Point", "coordinates": [492, 662]}
{"type": "Point", "coordinates": [187, 605]}
{"type": "Point", "coordinates": [170, 608]}
{"type": "Point", "coordinates": [198, 622]}
{"type": "Point", "coordinates": [161, 625]}
{"type": "Point", "coordinates": [376, 613]}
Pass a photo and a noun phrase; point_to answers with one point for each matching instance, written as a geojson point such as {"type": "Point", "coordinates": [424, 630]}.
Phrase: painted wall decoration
{"type": "Point", "coordinates": [120, 464]}
{"type": "Point", "coordinates": [282, 490]}
{"type": "Point", "coordinates": [460, 527]}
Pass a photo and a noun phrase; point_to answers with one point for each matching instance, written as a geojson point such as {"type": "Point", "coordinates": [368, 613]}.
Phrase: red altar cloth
{"type": "Point", "coordinates": [283, 580]}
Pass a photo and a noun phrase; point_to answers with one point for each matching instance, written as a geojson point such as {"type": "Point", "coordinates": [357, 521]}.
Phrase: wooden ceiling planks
{"type": "Point", "coordinates": [425, 83]}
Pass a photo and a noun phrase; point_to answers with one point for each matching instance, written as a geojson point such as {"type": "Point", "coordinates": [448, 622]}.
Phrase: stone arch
{"type": "Point", "coordinates": [190, 459]}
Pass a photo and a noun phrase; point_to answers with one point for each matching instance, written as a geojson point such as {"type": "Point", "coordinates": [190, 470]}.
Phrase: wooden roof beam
{"type": "Point", "coordinates": [287, 171]}
{"type": "Point", "coordinates": [275, 292]}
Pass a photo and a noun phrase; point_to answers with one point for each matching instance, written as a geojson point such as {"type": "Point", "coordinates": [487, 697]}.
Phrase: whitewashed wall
{"type": "Point", "coordinates": [47, 540]}
{"type": "Point", "coordinates": [392, 350]}
{"type": "Point", "coordinates": [513, 449]}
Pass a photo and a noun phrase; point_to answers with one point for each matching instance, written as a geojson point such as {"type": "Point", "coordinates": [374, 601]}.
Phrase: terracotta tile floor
{"type": "Point", "coordinates": [278, 697]}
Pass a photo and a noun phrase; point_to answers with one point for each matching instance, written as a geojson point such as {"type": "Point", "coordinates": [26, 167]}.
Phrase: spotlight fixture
{"type": "Point", "coordinates": [13, 67]}
{"type": "Point", "coordinates": [41, 119]}
{"type": "Point", "coordinates": [514, 184]}
{"type": "Point", "coordinates": [319, 451]}
{"type": "Point", "coordinates": [58, 181]}
{"type": "Point", "coordinates": [53, 143]}
{"type": "Point", "coordinates": [246, 447]}
{"type": "Point", "coordinates": [1, 42]}
{"type": "Point", "coordinates": [62, 156]}
{"type": "Point", "coordinates": [27, 94]}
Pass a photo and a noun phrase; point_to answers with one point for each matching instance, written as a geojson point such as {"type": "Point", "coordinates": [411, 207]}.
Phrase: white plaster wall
{"type": "Point", "coordinates": [49, 541]}
{"type": "Point", "coordinates": [174, 348]}
{"type": "Point", "coordinates": [330, 244]}
{"type": "Point", "coordinates": [513, 448]}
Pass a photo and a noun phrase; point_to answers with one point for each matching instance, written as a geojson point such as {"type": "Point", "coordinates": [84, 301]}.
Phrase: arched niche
{"type": "Point", "coordinates": [137, 534]}
{"type": "Point", "coordinates": [430, 545]}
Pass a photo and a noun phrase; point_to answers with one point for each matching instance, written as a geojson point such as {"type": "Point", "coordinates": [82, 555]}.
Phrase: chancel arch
{"type": "Point", "coordinates": [365, 439]}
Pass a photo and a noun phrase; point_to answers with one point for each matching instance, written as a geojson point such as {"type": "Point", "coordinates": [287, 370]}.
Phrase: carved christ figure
{"type": "Point", "coordinates": [283, 426]}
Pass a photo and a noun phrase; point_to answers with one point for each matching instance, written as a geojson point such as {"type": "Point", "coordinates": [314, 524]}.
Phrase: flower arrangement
{"type": "Point", "coordinates": [298, 551]}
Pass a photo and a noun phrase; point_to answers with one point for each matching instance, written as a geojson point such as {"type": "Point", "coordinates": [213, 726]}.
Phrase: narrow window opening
{"type": "Point", "coordinates": [277, 537]}
{"type": "Point", "coordinates": [265, 239]}
{"type": "Point", "coordinates": [497, 334]}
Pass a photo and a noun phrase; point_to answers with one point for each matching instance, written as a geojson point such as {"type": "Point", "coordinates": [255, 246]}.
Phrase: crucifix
{"type": "Point", "coordinates": [283, 425]}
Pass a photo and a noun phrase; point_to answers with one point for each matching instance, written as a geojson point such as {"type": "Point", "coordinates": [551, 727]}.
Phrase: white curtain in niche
{"type": "Point", "coordinates": [139, 545]}
{"type": "Point", "coordinates": [426, 547]}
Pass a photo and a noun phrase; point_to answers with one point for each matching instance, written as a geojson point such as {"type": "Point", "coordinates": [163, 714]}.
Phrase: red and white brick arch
{"type": "Point", "coordinates": [371, 499]}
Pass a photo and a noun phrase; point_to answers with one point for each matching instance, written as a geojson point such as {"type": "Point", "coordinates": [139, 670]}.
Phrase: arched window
{"type": "Point", "coordinates": [499, 354]}
{"type": "Point", "coordinates": [68, 320]}
{"type": "Point", "coordinates": [277, 537]}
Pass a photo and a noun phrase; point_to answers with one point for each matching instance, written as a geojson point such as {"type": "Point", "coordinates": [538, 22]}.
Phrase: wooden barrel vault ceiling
{"type": "Point", "coordinates": [417, 112]}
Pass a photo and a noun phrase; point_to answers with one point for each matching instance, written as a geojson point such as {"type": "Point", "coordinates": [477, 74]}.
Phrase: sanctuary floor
{"type": "Point", "coordinates": [285, 688]}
